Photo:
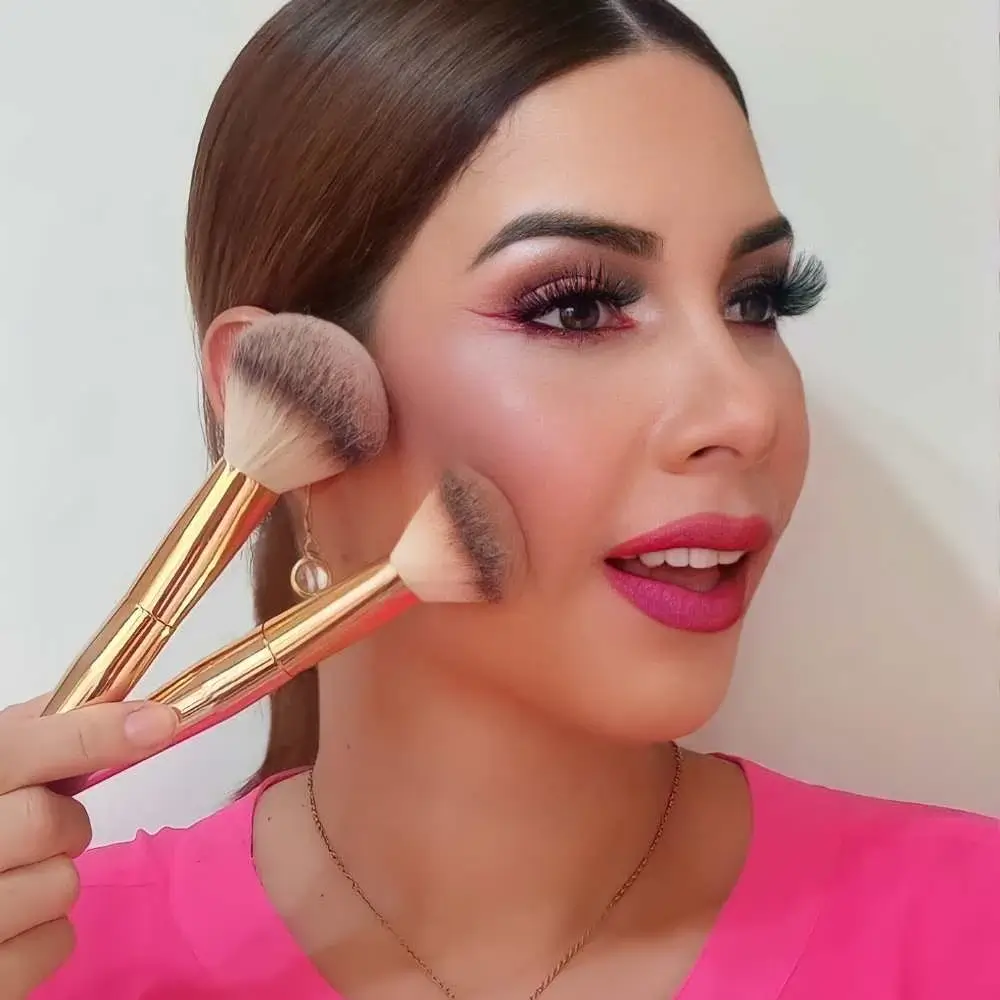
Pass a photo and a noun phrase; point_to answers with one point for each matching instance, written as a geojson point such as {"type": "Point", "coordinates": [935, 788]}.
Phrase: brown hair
{"type": "Point", "coordinates": [330, 140]}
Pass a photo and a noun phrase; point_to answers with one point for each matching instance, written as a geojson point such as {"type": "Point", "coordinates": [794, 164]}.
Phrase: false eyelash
{"type": "Point", "coordinates": [591, 280]}
{"type": "Point", "coordinates": [793, 291]}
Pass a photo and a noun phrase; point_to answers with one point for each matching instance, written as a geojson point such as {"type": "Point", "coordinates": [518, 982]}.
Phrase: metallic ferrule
{"type": "Point", "coordinates": [212, 529]}
{"type": "Point", "coordinates": [233, 678]}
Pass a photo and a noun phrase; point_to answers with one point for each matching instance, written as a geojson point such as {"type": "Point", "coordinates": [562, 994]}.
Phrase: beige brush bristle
{"type": "Point", "coordinates": [303, 401]}
{"type": "Point", "coordinates": [464, 543]}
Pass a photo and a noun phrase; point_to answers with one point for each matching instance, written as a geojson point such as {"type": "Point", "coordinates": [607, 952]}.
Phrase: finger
{"type": "Point", "coordinates": [29, 959]}
{"type": "Point", "coordinates": [26, 710]}
{"type": "Point", "coordinates": [36, 824]}
{"type": "Point", "coordinates": [40, 751]}
{"type": "Point", "coordinates": [37, 894]}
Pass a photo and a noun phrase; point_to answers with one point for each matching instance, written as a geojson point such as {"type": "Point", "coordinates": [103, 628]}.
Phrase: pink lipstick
{"type": "Point", "coordinates": [691, 574]}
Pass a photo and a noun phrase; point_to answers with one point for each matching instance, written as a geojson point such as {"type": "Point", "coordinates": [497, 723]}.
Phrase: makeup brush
{"type": "Point", "coordinates": [463, 545]}
{"type": "Point", "coordinates": [303, 402]}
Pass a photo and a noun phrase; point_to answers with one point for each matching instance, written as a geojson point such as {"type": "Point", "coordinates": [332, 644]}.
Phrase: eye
{"type": "Point", "coordinates": [580, 303]}
{"type": "Point", "coordinates": [792, 290]}
{"type": "Point", "coordinates": [753, 306]}
{"type": "Point", "coordinates": [579, 313]}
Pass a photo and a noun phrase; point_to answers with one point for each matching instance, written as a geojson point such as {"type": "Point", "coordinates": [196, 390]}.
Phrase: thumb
{"type": "Point", "coordinates": [39, 751]}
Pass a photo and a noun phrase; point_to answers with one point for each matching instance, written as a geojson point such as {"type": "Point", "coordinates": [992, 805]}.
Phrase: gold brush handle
{"type": "Point", "coordinates": [240, 674]}
{"type": "Point", "coordinates": [202, 542]}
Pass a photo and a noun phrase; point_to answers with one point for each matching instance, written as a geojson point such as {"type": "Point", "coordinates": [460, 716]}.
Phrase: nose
{"type": "Point", "coordinates": [722, 409]}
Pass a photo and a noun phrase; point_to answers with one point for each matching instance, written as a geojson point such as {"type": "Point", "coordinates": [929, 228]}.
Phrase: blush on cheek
{"type": "Point", "coordinates": [487, 404]}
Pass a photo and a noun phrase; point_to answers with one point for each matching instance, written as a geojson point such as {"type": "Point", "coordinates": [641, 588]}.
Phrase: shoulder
{"type": "Point", "coordinates": [918, 883]}
{"type": "Point", "coordinates": [885, 838]}
{"type": "Point", "coordinates": [897, 833]}
{"type": "Point", "coordinates": [134, 918]}
{"type": "Point", "coordinates": [152, 861]}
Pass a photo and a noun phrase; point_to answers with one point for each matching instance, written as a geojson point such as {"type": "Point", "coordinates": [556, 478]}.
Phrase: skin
{"type": "Point", "coordinates": [492, 773]}
{"type": "Point", "coordinates": [42, 831]}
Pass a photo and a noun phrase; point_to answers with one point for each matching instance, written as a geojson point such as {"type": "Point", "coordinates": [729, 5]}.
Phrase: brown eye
{"type": "Point", "coordinates": [755, 308]}
{"type": "Point", "coordinates": [578, 312]}
{"type": "Point", "coordinates": [582, 305]}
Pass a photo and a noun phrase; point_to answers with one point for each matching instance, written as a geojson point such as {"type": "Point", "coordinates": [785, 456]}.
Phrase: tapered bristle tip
{"type": "Point", "coordinates": [484, 525]}
{"type": "Point", "coordinates": [304, 400]}
{"type": "Point", "coordinates": [464, 544]}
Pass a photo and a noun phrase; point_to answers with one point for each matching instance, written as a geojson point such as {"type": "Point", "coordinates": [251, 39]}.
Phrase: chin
{"type": "Point", "coordinates": [649, 698]}
{"type": "Point", "coordinates": [648, 724]}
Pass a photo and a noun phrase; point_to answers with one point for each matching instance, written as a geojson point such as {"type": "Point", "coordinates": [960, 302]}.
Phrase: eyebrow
{"type": "Point", "coordinates": [573, 226]}
{"type": "Point", "coordinates": [767, 234]}
{"type": "Point", "coordinates": [616, 236]}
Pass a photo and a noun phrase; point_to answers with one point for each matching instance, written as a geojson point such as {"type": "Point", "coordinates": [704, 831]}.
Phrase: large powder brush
{"type": "Point", "coordinates": [303, 402]}
{"type": "Point", "coordinates": [464, 545]}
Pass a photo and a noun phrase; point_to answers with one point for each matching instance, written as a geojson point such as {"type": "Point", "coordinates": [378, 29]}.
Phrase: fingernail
{"type": "Point", "coordinates": [150, 725]}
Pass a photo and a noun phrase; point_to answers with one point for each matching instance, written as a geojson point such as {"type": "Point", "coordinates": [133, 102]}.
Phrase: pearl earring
{"type": "Point", "coordinates": [310, 575]}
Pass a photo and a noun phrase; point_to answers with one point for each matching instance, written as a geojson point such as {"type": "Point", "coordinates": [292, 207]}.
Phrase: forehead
{"type": "Point", "coordinates": [651, 138]}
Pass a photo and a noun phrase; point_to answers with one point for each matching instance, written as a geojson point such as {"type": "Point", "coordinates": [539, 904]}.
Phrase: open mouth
{"type": "Point", "coordinates": [693, 574]}
{"type": "Point", "coordinates": [697, 570]}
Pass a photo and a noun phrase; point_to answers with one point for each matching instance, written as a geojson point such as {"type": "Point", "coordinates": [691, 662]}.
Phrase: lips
{"type": "Point", "coordinates": [702, 531]}
{"type": "Point", "coordinates": [692, 574]}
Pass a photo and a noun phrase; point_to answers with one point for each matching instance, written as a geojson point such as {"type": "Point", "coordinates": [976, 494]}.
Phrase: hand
{"type": "Point", "coordinates": [41, 832]}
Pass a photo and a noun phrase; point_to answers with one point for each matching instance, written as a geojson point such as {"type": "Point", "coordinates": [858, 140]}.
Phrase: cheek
{"type": "Point", "coordinates": [791, 455]}
{"type": "Point", "coordinates": [521, 414]}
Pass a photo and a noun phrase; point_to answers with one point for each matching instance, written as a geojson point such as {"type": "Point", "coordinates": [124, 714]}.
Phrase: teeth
{"type": "Point", "coordinates": [695, 558]}
{"type": "Point", "coordinates": [704, 558]}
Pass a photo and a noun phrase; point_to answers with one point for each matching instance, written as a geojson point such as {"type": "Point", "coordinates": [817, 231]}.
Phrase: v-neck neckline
{"type": "Point", "coordinates": [750, 952]}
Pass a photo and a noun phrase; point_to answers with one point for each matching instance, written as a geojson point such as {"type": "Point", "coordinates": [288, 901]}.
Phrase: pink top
{"type": "Point", "coordinates": [841, 896]}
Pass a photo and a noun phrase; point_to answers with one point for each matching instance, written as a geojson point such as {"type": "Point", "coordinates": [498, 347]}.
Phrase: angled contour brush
{"type": "Point", "coordinates": [303, 401]}
{"type": "Point", "coordinates": [463, 545]}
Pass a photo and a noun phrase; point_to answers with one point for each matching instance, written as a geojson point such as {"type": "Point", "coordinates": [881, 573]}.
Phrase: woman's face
{"type": "Point", "coordinates": [587, 319]}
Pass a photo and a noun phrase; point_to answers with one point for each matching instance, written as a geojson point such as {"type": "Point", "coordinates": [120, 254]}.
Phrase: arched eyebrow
{"type": "Point", "coordinates": [573, 226]}
{"type": "Point", "coordinates": [767, 234]}
{"type": "Point", "coordinates": [619, 237]}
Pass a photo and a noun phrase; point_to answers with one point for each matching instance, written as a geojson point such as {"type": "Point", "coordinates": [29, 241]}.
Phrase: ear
{"type": "Point", "coordinates": [217, 347]}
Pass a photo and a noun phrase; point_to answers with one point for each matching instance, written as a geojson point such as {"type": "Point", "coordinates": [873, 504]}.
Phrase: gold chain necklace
{"type": "Point", "coordinates": [581, 942]}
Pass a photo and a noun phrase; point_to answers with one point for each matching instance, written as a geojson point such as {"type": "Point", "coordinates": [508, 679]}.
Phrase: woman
{"type": "Point", "coordinates": [550, 224]}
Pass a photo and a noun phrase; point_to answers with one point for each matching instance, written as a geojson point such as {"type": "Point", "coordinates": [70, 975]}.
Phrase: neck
{"type": "Point", "coordinates": [453, 806]}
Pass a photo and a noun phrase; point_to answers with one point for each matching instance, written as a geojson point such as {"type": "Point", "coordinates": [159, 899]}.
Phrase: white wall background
{"type": "Point", "coordinates": [873, 657]}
